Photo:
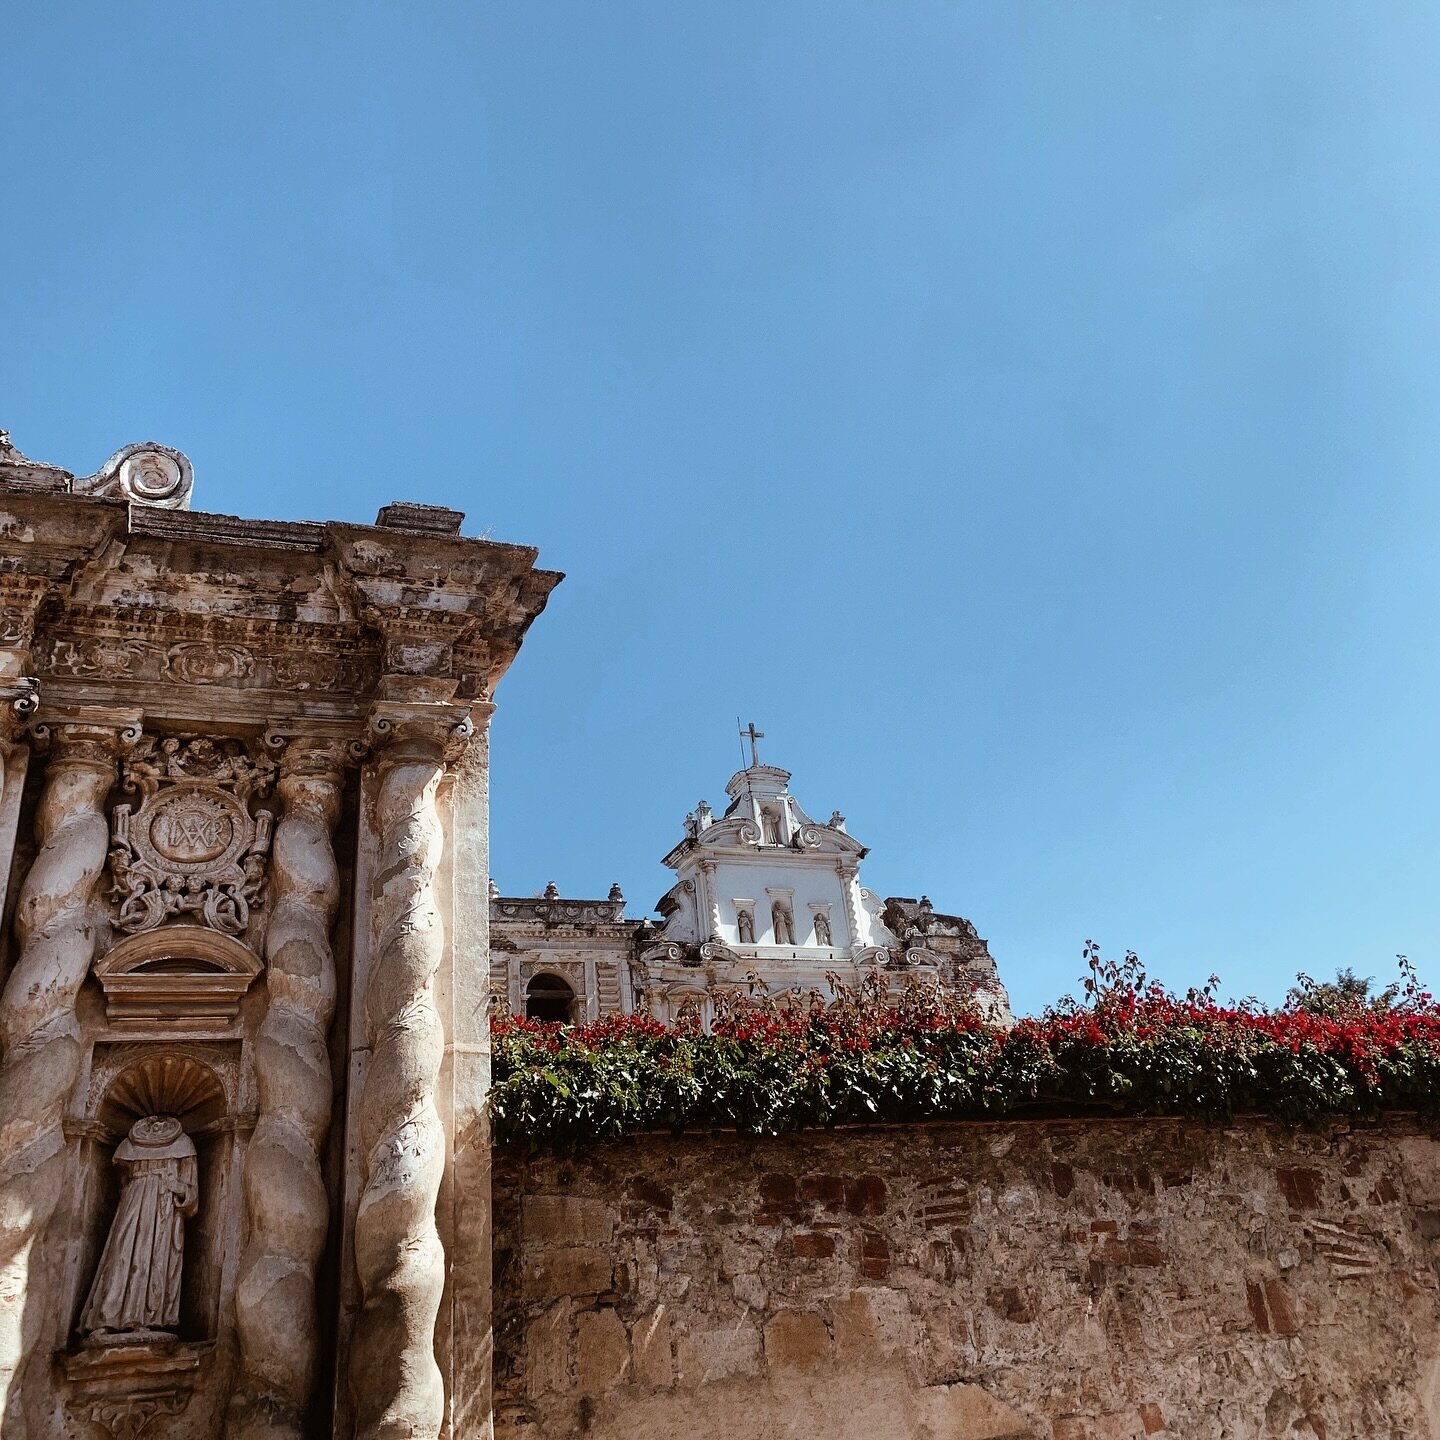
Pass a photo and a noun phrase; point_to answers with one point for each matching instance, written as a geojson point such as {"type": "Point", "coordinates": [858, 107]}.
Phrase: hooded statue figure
{"type": "Point", "coordinates": [136, 1292]}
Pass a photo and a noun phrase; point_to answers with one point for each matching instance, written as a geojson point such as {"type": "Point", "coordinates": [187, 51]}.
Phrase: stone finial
{"type": "Point", "coordinates": [494, 889]}
{"type": "Point", "coordinates": [552, 891]}
{"type": "Point", "coordinates": [616, 893]}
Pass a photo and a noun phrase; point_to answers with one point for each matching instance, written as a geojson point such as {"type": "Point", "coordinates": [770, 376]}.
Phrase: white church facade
{"type": "Point", "coordinates": [762, 890]}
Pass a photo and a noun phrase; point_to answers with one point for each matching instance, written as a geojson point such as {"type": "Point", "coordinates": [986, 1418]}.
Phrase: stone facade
{"type": "Point", "coordinates": [763, 894]}
{"type": "Point", "coordinates": [244, 1167]}
{"type": "Point", "coordinates": [1075, 1280]}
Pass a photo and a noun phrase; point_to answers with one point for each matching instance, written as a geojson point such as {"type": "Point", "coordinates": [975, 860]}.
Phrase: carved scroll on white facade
{"type": "Point", "coordinates": [57, 923]}
{"type": "Point", "coordinates": [397, 1385]}
{"type": "Point", "coordinates": [284, 1188]}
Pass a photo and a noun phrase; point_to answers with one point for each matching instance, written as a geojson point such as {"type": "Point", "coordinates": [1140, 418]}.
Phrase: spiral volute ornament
{"type": "Point", "coordinates": [147, 474]}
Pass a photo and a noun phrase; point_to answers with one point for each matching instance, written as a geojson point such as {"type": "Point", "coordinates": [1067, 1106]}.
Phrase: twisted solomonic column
{"type": "Point", "coordinates": [285, 1197]}
{"type": "Point", "coordinates": [57, 923]}
{"type": "Point", "coordinates": [396, 1384]}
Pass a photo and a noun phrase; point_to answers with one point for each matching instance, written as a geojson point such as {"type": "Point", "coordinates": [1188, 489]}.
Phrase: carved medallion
{"type": "Point", "coordinates": [193, 849]}
{"type": "Point", "coordinates": [198, 662]}
{"type": "Point", "coordinates": [191, 827]}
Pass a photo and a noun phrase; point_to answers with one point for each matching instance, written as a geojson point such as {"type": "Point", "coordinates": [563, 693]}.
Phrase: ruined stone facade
{"type": "Point", "coordinates": [245, 1169]}
{"type": "Point", "coordinates": [763, 895]}
{"type": "Point", "coordinates": [1046, 1280]}
{"type": "Point", "coordinates": [244, 1164]}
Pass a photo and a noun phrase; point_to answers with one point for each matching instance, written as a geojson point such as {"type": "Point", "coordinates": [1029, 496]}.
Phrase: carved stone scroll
{"type": "Point", "coordinates": [284, 1189]}
{"type": "Point", "coordinates": [143, 474]}
{"type": "Point", "coordinates": [57, 922]}
{"type": "Point", "coordinates": [397, 1386]}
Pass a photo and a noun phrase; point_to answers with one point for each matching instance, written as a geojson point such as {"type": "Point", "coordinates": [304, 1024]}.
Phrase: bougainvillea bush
{"type": "Point", "coordinates": [770, 1064]}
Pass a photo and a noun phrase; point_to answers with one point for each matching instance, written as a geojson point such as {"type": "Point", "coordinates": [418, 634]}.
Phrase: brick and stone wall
{"type": "Point", "coordinates": [1077, 1280]}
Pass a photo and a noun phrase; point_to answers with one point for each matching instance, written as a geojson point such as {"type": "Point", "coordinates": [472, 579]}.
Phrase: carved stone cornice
{"type": "Point", "coordinates": [446, 606]}
{"type": "Point", "coordinates": [21, 599]}
{"type": "Point", "coordinates": [423, 640]}
{"type": "Point", "coordinates": [143, 646]}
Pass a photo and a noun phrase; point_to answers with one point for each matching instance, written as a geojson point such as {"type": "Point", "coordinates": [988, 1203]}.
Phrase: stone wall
{"type": "Point", "coordinates": [1079, 1280]}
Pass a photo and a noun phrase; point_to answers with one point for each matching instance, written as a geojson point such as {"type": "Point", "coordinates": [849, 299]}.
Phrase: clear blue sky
{"type": "Point", "coordinates": [1027, 413]}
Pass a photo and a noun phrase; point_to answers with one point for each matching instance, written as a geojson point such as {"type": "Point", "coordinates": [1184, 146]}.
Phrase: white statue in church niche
{"type": "Point", "coordinates": [136, 1293]}
{"type": "Point", "coordinates": [784, 925]}
{"type": "Point", "coordinates": [770, 826]}
{"type": "Point", "coordinates": [745, 923]}
{"type": "Point", "coordinates": [822, 929]}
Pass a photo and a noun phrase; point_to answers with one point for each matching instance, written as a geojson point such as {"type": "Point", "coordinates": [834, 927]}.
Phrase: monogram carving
{"type": "Point", "coordinates": [193, 848]}
{"type": "Point", "coordinates": [199, 663]}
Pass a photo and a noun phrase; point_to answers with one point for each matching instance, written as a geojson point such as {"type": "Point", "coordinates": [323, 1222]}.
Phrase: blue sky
{"type": "Point", "coordinates": [1027, 413]}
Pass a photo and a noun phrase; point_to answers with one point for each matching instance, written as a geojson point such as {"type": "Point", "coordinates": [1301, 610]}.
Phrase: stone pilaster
{"type": "Point", "coordinates": [464, 1334]}
{"type": "Point", "coordinates": [285, 1197]}
{"type": "Point", "coordinates": [397, 1387]}
{"type": "Point", "coordinates": [57, 923]}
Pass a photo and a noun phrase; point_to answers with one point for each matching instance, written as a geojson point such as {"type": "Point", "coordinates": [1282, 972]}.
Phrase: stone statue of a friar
{"type": "Point", "coordinates": [136, 1294]}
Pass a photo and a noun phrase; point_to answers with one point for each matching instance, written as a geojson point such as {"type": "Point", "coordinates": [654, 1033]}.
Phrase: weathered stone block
{"type": "Point", "coordinates": [717, 1354]}
{"type": "Point", "coordinates": [566, 1220]}
{"type": "Point", "coordinates": [872, 1322]}
{"type": "Point", "coordinates": [826, 1190]}
{"type": "Point", "coordinates": [864, 1194]}
{"type": "Point", "coordinates": [650, 1341]}
{"type": "Point", "coordinates": [568, 1270]}
{"type": "Point", "coordinates": [971, 1412]}
{"type": "Point", "coordinates": [796, 1340]}
{"type": "Point", "coordinates": [602, 1351]}
{"type": "Point", "coordinates": [547, 1350]}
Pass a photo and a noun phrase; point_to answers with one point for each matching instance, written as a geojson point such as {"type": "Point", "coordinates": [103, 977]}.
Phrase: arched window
{"type": "Point", "coordinates": [548, 997]}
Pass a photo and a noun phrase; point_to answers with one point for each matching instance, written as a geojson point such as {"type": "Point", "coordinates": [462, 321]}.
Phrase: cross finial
{"type": "Point", "coordinates": [751, 734]}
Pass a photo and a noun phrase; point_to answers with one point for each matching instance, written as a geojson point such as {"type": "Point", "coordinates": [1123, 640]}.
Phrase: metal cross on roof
{"type": "Point", "coordinates": [752, 735]}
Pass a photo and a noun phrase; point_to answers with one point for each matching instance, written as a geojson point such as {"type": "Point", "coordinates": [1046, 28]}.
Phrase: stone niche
{"type": "Point", "coordinates": [123, 1385]}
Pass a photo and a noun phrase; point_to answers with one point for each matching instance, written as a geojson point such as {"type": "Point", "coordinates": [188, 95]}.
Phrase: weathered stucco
{"type": "Point", "coordinates": [1085, 1280]}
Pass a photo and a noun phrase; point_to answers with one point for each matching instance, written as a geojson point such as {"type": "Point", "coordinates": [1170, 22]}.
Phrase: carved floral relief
{"type": "Point", "coordinates": [200, 662]}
